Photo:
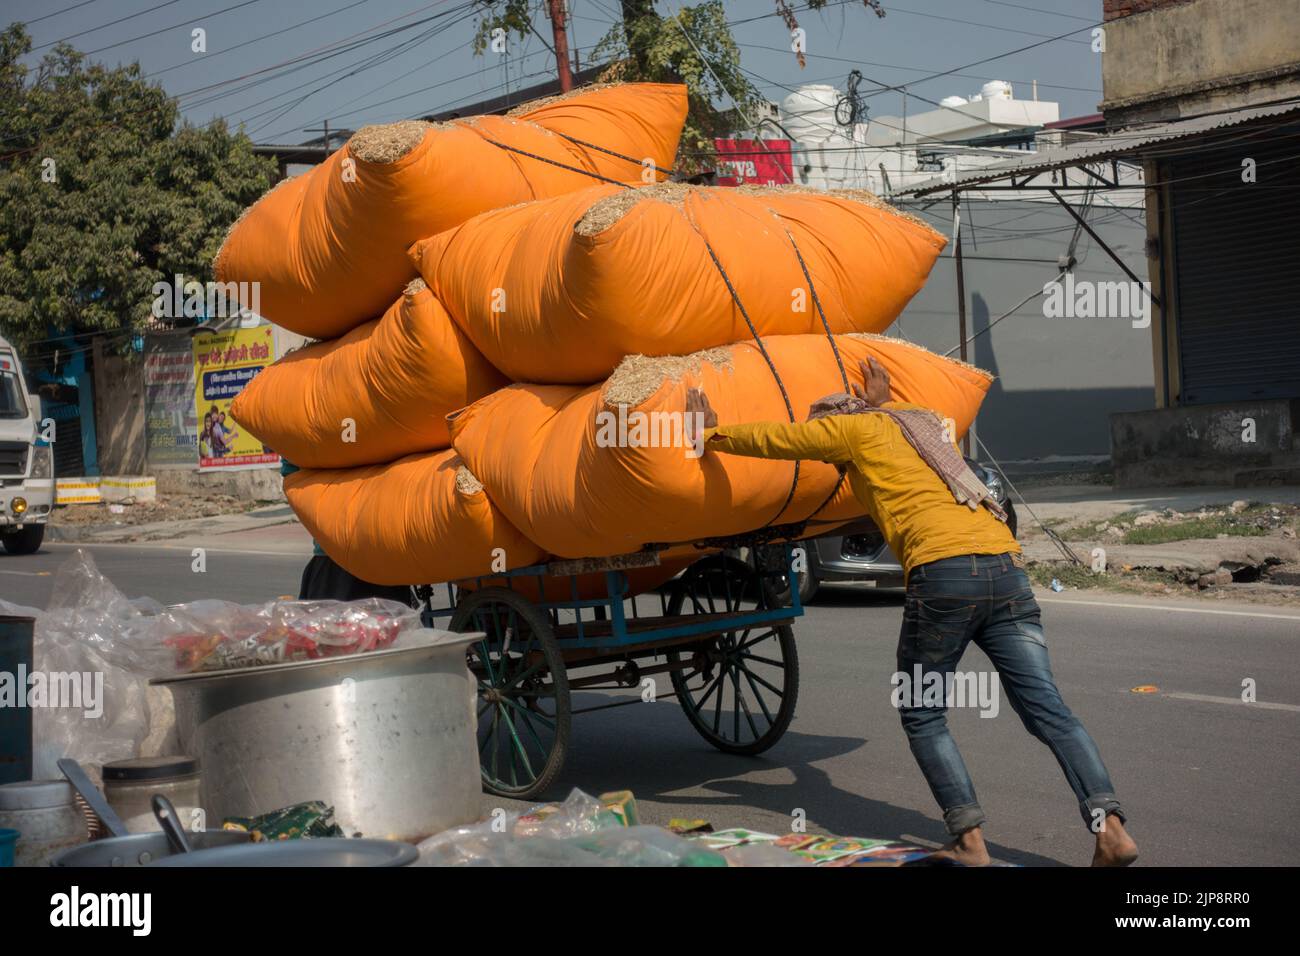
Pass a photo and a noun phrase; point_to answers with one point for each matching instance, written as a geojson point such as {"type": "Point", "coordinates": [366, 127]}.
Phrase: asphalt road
{"type": "Point", "coordinates": [1206, 779]}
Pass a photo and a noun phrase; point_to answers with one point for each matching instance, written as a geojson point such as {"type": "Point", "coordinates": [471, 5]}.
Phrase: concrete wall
{"type": "Point", "coordinates": [1207, 445]}
{"type": "Point", "coordinates": [119, 413]}
{"type": "Point", "coordinates": [1188, 58]}
{"type": "Point", "coordinates": [1058, 379]}
{"type": "Point", "coordinates": [251, 484]}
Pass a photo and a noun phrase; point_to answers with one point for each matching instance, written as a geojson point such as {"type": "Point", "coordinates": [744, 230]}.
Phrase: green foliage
{"type": "Point", "coordinates": [102, 193]}
{"type": "Point", "coordinates": [693, 46]}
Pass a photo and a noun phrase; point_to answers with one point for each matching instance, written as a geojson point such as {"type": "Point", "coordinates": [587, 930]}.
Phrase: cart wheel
{"type": "Point", "coordinates": [523, 693]}
{"type": "Point", "coordinates": [756, 667]}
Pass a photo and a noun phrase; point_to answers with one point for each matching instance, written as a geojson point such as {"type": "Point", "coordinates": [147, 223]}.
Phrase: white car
{"type": "Point", "coordinates": [26, 462]}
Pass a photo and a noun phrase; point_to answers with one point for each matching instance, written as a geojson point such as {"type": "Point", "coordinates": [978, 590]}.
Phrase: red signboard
{"type": "Point", "coordinates": [765, 162]}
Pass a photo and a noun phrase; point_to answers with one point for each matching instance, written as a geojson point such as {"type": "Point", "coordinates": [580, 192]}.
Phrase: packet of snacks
{"type": "Point", "coordinates": [217, 635]}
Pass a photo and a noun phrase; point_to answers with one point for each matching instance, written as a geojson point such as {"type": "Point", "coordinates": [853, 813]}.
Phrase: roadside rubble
{"type": "Point", "coordinates": [1243, 549]}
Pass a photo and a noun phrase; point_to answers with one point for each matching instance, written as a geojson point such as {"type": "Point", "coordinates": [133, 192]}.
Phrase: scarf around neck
{"type": "Point", "coordinates": [924, 432]}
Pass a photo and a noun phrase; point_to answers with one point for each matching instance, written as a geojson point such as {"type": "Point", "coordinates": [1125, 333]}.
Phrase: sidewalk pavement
{"type": "Point", "coordinates": [272, 529]}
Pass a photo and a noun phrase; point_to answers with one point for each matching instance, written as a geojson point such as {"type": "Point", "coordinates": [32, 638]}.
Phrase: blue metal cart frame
{"type": "Point", "coordinates": [717, 636]}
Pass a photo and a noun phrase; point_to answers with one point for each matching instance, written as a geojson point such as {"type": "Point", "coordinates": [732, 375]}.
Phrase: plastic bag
{"type": "Point", "coordinates": [648, 846]}
{"type": "Point", "coordinates": [93, 655]}
{"type": "Point", "coordinates": [541, 836]}
{"type": "Point", "coordinates": [95, 652]}
{"type": "Point", "coordinates": [215, 635]}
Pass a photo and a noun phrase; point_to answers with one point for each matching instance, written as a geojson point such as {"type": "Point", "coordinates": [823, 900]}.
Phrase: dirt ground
{"type": "Point", "coordinates": [164, 508]}
{"type": "Point", "coordinates": [1266, 570]}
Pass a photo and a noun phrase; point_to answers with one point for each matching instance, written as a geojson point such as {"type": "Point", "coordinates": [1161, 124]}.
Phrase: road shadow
{"type": "Point", "coordinates": [652, 751]}
{"type": "Point", "coordinates": [840, 595]}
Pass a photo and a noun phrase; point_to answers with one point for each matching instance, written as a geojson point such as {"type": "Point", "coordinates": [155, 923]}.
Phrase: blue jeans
{"type": "Point", "coordinates": [986, 598]}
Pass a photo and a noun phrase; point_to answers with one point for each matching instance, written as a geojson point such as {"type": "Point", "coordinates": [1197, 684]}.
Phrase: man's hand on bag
{"type": "Point", "coordinates": [699, 416]}
{"type": "Point", "coordinates": [876, 380]}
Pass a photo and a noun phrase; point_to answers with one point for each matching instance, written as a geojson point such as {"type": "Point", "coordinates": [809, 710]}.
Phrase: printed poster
{"type": "Point", "coordinates": [224, 362]}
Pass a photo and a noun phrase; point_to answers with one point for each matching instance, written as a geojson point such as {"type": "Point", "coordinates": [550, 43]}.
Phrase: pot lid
{"type": "Point", "coordinates": [150, 768]}
{"type": "Point", "coordinates": [36, 795]}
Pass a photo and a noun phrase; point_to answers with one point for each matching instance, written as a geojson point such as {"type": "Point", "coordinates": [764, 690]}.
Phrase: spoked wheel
{"type": "Point", "coordinates": [740, 689]}
{"type": "Point", "coordinates": [523, 693]}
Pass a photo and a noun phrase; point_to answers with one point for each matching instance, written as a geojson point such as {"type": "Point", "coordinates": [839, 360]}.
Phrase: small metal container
{"type": "Point", "coordinates": [45, 814]}
{"type": "Point", "coordinates": [129, 786]}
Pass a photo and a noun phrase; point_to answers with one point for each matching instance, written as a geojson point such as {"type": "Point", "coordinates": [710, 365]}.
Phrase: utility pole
{"type": "Point", "coordinates": [324, 131]}
{"type": "Point", "coordinates": [561, 45]}
{"type": "Point", "coordinates": [961, 297]}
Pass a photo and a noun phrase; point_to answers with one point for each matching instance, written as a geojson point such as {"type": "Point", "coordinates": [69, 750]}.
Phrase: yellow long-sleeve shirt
{"type": "Point", "coordinates": [909, 502]}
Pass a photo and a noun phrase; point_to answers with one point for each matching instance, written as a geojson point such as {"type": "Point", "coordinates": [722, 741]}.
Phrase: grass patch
{"type": "Point", "coordinates": [1070, 575]}
{"type": "Point", "coordinates": [1187, 527]}
{"type": "Point", "coordinates": [1136, 581]}
{"type": "Point", "coordinates": [1193, 528]}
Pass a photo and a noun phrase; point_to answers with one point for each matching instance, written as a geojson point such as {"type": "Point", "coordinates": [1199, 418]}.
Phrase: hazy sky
{"type": "Point", "coordinates": [409, 68]}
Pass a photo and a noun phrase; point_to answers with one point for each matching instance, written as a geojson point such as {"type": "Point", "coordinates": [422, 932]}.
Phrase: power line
{"type": "Point", "coordinates": [1050, 13]}
{"type": "Point", "coordinates": [373, 61]}
{"type": "Point", "coordinates": [73, 36]}
{"type": "Point", "coordinates": [895, 8]}
{"type": "Point", "coordinates": [75, 6]}
{"type": "Point", "coordinates": [266, 36]}
{"type": "Point", "coordinates": [143, 36]}
{"type": "Point", "coordinates": [303, 61]}
{"type": "Point", "coordinates": [999, 56]}
{"type": "Point", "coordinates": [914, 69]}
{"type": "Point", "coordinates": [425, 89]}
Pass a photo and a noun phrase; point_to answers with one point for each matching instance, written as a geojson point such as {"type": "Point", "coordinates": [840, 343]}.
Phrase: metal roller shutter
{"type": "Point", "coordinates": [1237, 262]}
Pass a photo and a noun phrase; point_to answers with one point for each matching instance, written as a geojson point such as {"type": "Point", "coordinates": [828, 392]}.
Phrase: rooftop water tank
{"type": "Point", "coordinates": [996, 90]}
{"type": "Point", "coordinates": [809, 112]}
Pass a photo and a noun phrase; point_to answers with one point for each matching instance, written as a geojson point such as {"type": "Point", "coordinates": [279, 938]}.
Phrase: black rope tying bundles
{"type": "Point", "coordinates": [758, 340]}
{"type": "Point", "coordinates": [575, 169]}
{"type": "Point", "coordinates": [610, 152]}
{"type": "Point", "coordinates": [839, 361]}
{"type": "Point", "coordinates": [835, 349]}
{"type": "Point", "coordinates": [553, 162]}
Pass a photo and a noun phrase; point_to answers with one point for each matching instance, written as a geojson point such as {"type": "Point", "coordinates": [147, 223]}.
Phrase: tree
{"type": "Point", "coordinates": [693, 46]}
{"type": "Point", "coordinates": [103, 193]}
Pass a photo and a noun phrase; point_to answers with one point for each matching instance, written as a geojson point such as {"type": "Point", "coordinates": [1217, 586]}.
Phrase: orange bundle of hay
{"type": "Point", "coordinates": [419, 520]}
{"type": "Point", "coordinates": [380, 392]}
{"type": "Point", "coordinates": [559, 291]}
{"type": "Point", "coordinates": [566, 465]}
{"type": "Point", "coordinates": [328, 247]}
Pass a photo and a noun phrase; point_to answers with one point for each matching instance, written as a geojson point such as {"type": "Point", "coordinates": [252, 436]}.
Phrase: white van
{"type": "Point", "coordinates": [26, 467]}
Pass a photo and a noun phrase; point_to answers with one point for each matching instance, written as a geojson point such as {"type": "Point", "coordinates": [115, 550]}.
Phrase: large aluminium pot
{"type": "Point", "coordinates": [387, 738]}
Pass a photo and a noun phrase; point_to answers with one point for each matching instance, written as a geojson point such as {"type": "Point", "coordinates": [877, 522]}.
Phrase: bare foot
{"type": "Point", "coordinates": [968, 849]}
{"type": "Point", "coordinates": [1114, 846]}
